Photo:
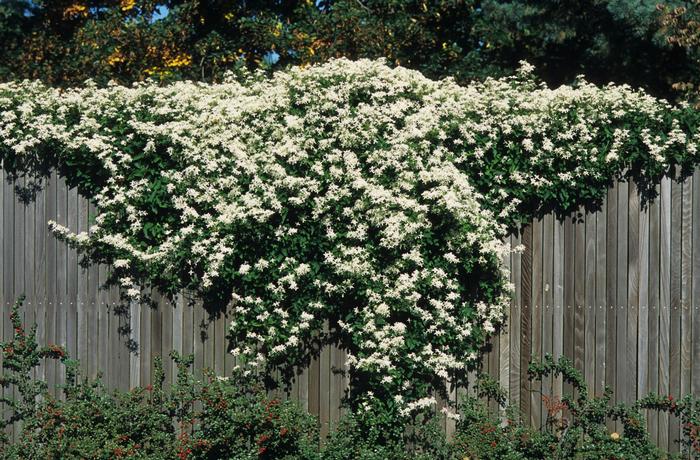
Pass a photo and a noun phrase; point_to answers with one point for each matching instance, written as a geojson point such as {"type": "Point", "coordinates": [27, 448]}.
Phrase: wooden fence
{"type": "Point", "coordinates": [617, 291]}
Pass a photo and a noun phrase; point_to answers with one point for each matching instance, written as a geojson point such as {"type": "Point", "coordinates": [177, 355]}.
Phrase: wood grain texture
{"type": "Point", "coordinates": [503, 360]}
{"type": "Point", "coordinates": [92, 324]}
{"type": "Point", "coordinates": [654, 307]}
{"type": "Point", "coordinates": [557, 306]}
{"type": "Point", "coordinates": [17, 267]}
{"type": "Point", "coordinates": [611, 292]}
{"type": "Point", "coordinates": [537, 318]}
{"type": "Point", "coordinates": [601, 303]}
{"type": "Point", "coordinates": [548, 306]}
{"type": "Point", "coordinates": [642, 335]}
{"type": "Point", "coordinates": [695, 335]}
{"type": "Point", "coordinates": [566, 310]}
{"type": "Point", "coordinates": [515, 320]}
{"type": "Point", "coordinates": [579, 305]}
{"type": "Point", "coordinates": [622, 306]}
{"type": "Point", "coordinates": [50, 192]}
{"type": "Point", "coordinates": [7, 281]}
{"type": "Point", "coordinates": [526, 309]}
{"type": "Point", "coordinates": [61, 276]}
{"type": "Point", "coordinates": [675, 305]}
{"type": "Point", "coordinates": [72, 274]}
{"type": "Point", "coordinates": [686, 286]}
{"type": "Point", "coordinates": [588, 347]}
{"type": "Point", "coordinates": [664, 302]}
{"type": "Point", "coordinates": [82, 281]}
{"type": "Point", "coordinates": [633, 253]}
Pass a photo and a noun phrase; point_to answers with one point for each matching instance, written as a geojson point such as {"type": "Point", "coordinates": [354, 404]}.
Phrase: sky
{"type": "Point", "coordinates": [161, 12]}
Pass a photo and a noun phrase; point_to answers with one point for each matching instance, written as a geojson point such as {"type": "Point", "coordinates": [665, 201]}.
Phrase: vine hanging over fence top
{"type": "Point", "coordinates": [369, 197]}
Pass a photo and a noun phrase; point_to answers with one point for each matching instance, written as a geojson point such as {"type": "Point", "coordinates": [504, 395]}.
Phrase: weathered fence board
{"type": "Point", "coordinates": [617, 291]}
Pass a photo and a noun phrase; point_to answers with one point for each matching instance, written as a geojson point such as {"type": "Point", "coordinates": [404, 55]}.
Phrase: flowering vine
{"type": "Point", "coordinates": [351, 194]}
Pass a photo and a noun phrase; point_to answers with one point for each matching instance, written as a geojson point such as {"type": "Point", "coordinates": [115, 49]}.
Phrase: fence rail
{"type": "Point", "coordinates": [617, 291]}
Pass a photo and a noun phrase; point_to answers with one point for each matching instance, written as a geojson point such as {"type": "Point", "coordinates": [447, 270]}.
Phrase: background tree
{"type": "Point", "coordinates": [14, 25]}
{"type": "Point", "coordinates": [613, 40]}
{"type": "Point", "coordinates": [682, 28]}
{"type": "Point", "coordinates": [65, 41]}
{"type": "Point", "coordinates": [609, 41]}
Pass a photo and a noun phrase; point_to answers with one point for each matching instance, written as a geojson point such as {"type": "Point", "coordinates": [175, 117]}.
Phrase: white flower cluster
{"type": "Point", "coordinates": [342, 193]}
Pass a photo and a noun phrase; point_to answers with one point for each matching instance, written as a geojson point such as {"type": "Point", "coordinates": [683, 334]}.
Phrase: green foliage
{"type": "Point", "coordinates": [237, 424]}
{"type": "Point", "coordinates": [13, 29]}
{"type": "Point", "coordinates": [64, 42]}
{"type": "Point", "coordinates": [275, 226]}
{"type": "Point", "coordinates": [378, 435]}
{"type": "Point", "coordinates": [231, 418]}
{"type": "Point", "coordinates": [20, 356]}
{"type": "Point", "coordinates": [575, 424]}
{"type": "Point", "coordinates": [681, 26]}
{"type": "Point", "coordinates": [212, 418]}
{"type": "Point", "coordinates": [687, 409]}
{"type": "Point", "coordinates": [437, 37]}
{"type": "Point", "coordinates": [616, 41]}
{"type": "Point", "coordinates": [91, 423]}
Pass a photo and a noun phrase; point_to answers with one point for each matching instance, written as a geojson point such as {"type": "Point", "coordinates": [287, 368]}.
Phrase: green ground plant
{"type": "Point", "coordinates": [209, 418]}
{"type": "Point", "coordinates": [233, 418]}
{"type": "Point", "coordinates": [576, 425]}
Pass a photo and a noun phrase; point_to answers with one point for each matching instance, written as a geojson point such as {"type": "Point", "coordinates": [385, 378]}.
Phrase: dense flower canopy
{"type": "Point", "coordinates": [351, 194]}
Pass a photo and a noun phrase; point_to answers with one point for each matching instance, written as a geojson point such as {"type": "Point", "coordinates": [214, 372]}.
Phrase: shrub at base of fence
{"type": "Point", "coordinates": [574, 426]}
{"type": "Point", "coordinates": [190, 419]}
{"type": "Point", "coordinates": [232, 418]}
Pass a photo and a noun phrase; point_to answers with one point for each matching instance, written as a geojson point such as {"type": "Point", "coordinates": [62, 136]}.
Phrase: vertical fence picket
{"type": "Point", "coordinates": [632, 310]}
{"type": "Point", "coordinates": [525, 328]}
{"type": "Point", "coordinates": [144, 346]}
{"type": "Point", "coordinates": [165, 307]}
{"type": "Point", "coordinates": [642, 337]}
{"type": "Point", "coordinates": [686, 287]}
{"type": "Point", "coordinates": [674, 306]}
{"type": "Point", "coordinates": [664, 303]}
{"type": "Point", "coordinates": [611, 292]}
{"type": "Point", "coordinates": [503, 352]}
{"type": "Point", "coordinates": [8, 214]}
{"type": "Point", "coordinates": [654, 306]}
{"type": "Point", "coordinates": [695, 336]}
{"type": "Point", "coordinates": [589, 302]}
{"type": "Point", "coordinates": [621, 305]}
{"type": "Point", "coordinates": [565, 310]}
{"type": "Point", "coordinates": [50, 193]}
{"type": "Point", "coordinates": [579, 294]}
{"type": "Point", "coordinates": [515, 321]}
{"type": "Point", "coordinates": [601, 302]}
{"type": "Point", "coordinates": [548, 307]}
{"type": "Point", "coordinates": [536, 320]}
{"type": "Point", "coordinates": [81, 285]}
